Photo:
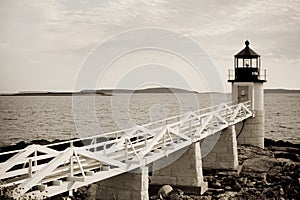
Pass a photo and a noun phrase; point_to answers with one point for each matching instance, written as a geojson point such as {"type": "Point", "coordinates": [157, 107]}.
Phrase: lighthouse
{"type": "Point", "coordinates": [247, 85]}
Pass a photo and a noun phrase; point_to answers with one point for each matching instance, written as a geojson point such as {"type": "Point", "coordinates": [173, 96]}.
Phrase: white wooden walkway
{"type": "Point", "coordinates": [37, 172]}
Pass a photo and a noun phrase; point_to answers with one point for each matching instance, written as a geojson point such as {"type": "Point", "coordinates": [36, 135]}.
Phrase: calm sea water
{"type": "Point", "coordinates": [24, 118]}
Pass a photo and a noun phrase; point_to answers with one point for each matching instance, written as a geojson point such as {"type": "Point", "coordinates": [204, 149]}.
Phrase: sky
{"type": "Point", "coordinates": [44, 44]}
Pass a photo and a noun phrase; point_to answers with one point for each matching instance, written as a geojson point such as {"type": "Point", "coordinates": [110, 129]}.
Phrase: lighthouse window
{"type": "Point", "coordinates": [240, 63]}
{"type": "Point", "coordinates": [247, 63]}
{"type": "Point", "coordinates": [243, 93]}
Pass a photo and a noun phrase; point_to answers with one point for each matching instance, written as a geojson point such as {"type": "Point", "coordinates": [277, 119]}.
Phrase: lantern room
{"type": "Point", "coordinates": [247, 66]}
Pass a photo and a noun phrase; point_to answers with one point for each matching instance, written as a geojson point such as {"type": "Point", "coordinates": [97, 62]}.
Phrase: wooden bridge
{"type": "Point", "coordinates": [37, 172]}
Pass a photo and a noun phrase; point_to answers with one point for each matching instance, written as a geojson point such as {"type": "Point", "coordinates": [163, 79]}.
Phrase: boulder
{"type": "Point", "coordinates": [292, 156]}
{"type": "Point", "coordinates": [237, 187]}
{"type": "Point", "coordinates": [259, 165]}
{"type": "Point", "coordinates": [164, 191]}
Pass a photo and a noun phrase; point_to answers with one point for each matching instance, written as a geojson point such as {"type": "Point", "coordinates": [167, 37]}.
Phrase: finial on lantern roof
{"type": "Point", "coordinates": [247, 43]}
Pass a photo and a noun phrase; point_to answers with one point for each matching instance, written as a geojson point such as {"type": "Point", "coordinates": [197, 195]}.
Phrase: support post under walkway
{"type": "Point", "coordinates": [184, 173]}
{"type": "Point", "coordinates": [128, 186]}
{"type": "Point", "coordinates": [219, 151]}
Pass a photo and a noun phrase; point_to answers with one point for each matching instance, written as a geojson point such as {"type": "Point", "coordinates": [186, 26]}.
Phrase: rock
{"type": "Point", "coordinates": [243, 180]}
{"type": "Point", "coordinates": [228, 188]}
{"type": "Point", "coordinates": [216, 185]}
{"type": "Point", "coordinates": [215, 191]}
{"type": "Point", "coordinates": [291, 167]}
{"type": "Point", "coordinates": [175, 197]}
{"type": "Point", "coordinates": [227, 195]}
{"type": "Point", "coordinates": [257, 193]}
{"type": "Point", "coordinates": [275, 170]}
{"type": "Point", "coordinates": [155, 197]}
{"type": "Point", "coordinates": [176, 194]}
{"type": "Point", "coordinates": [251, 184]}
{"type": "Point", "coordinates": [210, 180]}
{"type": "Point", "coordinates": [243, 157]}
{"type": "Point", "coordinates": [282, 161]}
{"type": "Point", "coordinates": [40, 142]}
{"type": "Point", "coordinates": [268, 193]}
{"type": "Point", "coordinates": [201, 197]}
{"type": "Point", "coordinates": [59, 197]}
{"type": "Point", "coordinates": [230, 181]}
{"type": "Point", "coordinates": [281, 192]}
{"type": "Point", "coordinates": [276, 187]}
{"type": "Point", "coordinates": [237, 188]}
{"type": "Point", "coordinates": [292, 156]}
{"type": "Point", "coordinates": [286, 149]}
{"type": "Point", "coordinates": [273, 178]}
{"type": "Point", "coordinates": [261, 164]}
{"type": "Point", "coordinates": [286, 180]}
{"type": "Point", "coordinates": [164, 191]}
{"type": "Point", "coordinates": [259, 184]}
{"type": "Point", "coordinates": [280, 143]}
{"type": "Point", "coordinates": [178, 191]}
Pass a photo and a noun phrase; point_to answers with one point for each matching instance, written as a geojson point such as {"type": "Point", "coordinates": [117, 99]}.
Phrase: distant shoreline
{"type": "Point", "coordinates": [102, 92]}
{"type": "Point", "coordinates": [280, 91]}
{"type": "Point", "coordinates": [110, 92]}
{"type": "Point", "coordinates": [55, 94]}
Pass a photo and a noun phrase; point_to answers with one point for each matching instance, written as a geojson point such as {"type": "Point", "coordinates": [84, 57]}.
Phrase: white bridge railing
{"type": "Point", "coordinates": [37, 172]}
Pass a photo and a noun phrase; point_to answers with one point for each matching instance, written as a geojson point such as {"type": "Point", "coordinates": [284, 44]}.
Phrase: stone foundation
{"type": "Point", "coordinates": [219, 151]}
{"type": "Point", "coordinates": [128, 186]}
{"type": "Point", "coordinates": [253, 131]}
{"type": "Point", "coordinates": [184, 173]}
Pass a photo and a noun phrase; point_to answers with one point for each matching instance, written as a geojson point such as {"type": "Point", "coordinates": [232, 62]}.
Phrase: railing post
{"type": "Point", "coordinates": [211, 124]}
{"type": "Point", "coordinates": [145, 139]}
{"type": "Point", "coordinates": [104, 149]}
{"type": "Point", "coordinates": [190, 127]}
{"type": "Point", "coordinates": [95, 142]}
{"type": "Point", "coordinates": [71, 192]}
{"type": "Point", "coordinates": [179, 131]}
{"type": "Point", "coordinates": [71, 160]}
{"type": "Point", "coordinates": [30, 168]}
{"type": "Point", "coordinates": [137, 133]}
{"type": "Point", "coordinates": [35, 161]}
{"type": "Point", "coordinates": [164, 138]}
{"type": "Point", "coordinates": [226, 114]}
{"type": "Point", "coordinates": [126, 150]}
{"type": "Point", "coordinates": [71, 166]}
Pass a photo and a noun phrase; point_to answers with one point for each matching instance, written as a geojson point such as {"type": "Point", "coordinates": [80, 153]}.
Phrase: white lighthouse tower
{"type": "Point", "coordinates": [247, 85]}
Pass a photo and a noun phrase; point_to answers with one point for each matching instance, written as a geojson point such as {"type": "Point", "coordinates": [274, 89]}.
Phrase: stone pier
{"type": "Point", "coordinates": [184, 172]}
{"type": "Point", "coordinates": [128, 186]}
{"type": "Point", "coordinates": [219, 151]}
{"type": "Point", "coordinates": [253, 130]}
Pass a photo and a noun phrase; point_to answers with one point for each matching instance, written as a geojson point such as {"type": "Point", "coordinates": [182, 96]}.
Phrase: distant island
{"type": "Point", "coordinates": [147, 90]}
{"type": "Point", "coordinates": [101, 92]}
{"type": "Point", "coordinates": [54, 93]}
{"type": "Point", "coordinates": [280, 91]}
{"type": "Point", "coordinates": [111, 92]}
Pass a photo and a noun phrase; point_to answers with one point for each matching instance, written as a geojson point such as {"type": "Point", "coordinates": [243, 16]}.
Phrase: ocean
{"type": "Point", "coordinates": [25, 118]}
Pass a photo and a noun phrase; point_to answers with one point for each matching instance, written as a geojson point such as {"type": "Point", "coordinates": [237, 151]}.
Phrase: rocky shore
{"type": "Point", "coordinates": [270, 173]}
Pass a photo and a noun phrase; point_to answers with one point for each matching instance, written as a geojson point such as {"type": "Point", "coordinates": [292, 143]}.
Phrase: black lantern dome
{"type": "Point", "coordinates": [247, 66]}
